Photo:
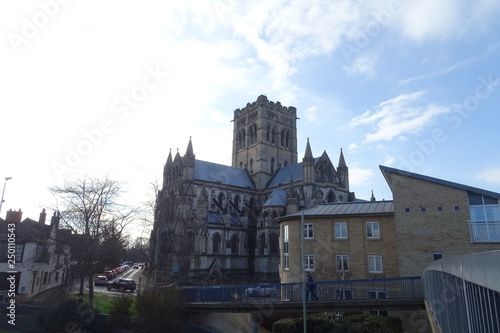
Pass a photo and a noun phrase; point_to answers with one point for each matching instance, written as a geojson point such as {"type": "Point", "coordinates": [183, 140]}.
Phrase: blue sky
{"type": "Point", "coordinates": [93, 88]}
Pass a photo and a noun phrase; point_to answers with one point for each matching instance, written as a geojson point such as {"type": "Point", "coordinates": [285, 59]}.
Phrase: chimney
{"type": "Point", "coordinates": [43, 215]}
{"type": "Point", "coordinates": [55, 219]}
{"type": "Point", "coordinates": [13, 216]}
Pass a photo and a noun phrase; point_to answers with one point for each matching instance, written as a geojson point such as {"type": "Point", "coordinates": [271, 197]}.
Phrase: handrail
{"type": "Point", "coordinates": [364, 289]}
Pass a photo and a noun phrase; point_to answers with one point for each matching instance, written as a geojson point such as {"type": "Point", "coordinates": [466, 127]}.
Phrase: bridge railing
{"type": "Point", "coordinates": [367, 289]}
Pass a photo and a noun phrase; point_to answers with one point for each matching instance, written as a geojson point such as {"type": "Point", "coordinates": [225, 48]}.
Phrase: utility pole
{"type": "Point", "coordinates": [3, 192]}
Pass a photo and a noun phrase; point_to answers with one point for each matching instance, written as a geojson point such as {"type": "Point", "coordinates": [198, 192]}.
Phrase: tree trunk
{"type": "Point", "coordinates": [82, 281]}
{"type": "Point", "coordinates": [91, 290]}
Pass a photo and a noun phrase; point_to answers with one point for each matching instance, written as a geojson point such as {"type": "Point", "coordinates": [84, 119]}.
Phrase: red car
{"type": "Point", "coordinates": [109, 275]}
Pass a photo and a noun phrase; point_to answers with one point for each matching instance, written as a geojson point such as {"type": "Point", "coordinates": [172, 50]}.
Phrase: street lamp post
{"type": "Point", "coordinates": [3, 192]}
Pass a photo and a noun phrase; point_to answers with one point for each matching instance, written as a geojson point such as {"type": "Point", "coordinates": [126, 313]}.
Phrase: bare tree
{"type": "Point", "coordinates": [88, 207]}
{"type": "Point", "coordinates": [146, 242]}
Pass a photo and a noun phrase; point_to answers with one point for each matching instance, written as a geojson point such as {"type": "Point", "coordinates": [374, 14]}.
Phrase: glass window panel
{"type": "Point", "coordinates": [492, 213]}
{"type": "Point", "coordinates": [477, 213]}
{"type": "Point", "coordinates": [490, 201]}
{"type": "Point", "coordinates": [475, 199]}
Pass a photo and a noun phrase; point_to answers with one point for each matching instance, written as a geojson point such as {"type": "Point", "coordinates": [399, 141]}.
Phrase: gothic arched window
{"type": "Point", "coordinates": [273, 243]}
{"type": "Point", "coordinates": [273, 162]}
{"type": "Point", "coordinates": [331, 197]}
{"type": "Point", "coordinates": [269, 133]}
{"type": "Point", "coordinates": [262, 244]}
{"type": "Point", "coordinates": [234, 244]}
{"type": "Point", "coordinates": [216, 239]}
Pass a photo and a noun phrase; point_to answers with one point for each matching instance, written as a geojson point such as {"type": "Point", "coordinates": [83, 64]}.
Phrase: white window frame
{"type": "Point", "coordinates": [344, 258]}
{"type": "Point", "coordinates": [286, 249]}
{"type": "Point", "coordinates": [308, 230]}
{"type": "Point", "coordinates": [375, 232]}
{"type": "Point", "coordinates": [373, 262]}
{"type": "Point", "coordinates": [342, 226]}
{"type": "Point", "coordinates": [309, 262]}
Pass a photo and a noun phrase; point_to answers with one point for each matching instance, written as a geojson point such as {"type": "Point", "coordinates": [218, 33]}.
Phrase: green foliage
{"type": "Point", "coordinates": [160, 307]}
{"type": "Point", "coordinates": [121, 311]}
{"type": "Point", "coordinates": [70, 315]}
{"type": "Point", "coordinates": [347, 323]}
{"type": "Point", "coordinates": [121, 306]}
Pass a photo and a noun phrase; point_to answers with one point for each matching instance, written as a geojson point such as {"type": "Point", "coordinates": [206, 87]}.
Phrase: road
{"type": "Point", "coordinates": [130, 274]}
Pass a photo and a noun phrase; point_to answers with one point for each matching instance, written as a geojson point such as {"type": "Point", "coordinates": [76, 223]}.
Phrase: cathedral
{"type": "Point", "coordinates": [215, 224]}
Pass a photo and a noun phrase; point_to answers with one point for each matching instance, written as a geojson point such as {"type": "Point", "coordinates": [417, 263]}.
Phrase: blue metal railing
{"type": "Point", "coordinates": [389, 288]}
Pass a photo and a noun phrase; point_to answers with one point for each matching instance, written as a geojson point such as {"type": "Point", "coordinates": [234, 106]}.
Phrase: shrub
{"type": "Point", "coordinates": [70, 315]}
{"type": "Point", "coordinates": [160, 307]}
{"type": "Point", "coordinates": [347, 323]}
{"type": "Point", "coordinates": [121, 311]}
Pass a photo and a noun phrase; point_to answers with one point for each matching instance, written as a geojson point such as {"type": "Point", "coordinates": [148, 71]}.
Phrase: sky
{"type": "Point", "coordinates": [93, 88]}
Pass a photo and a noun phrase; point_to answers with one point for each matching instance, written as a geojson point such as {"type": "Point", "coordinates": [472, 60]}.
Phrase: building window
{"type": "Point", "coordinates": [372, 230]}
{"type": "Point", "coordinates": [342, 263]}
{"type": "Point", "coordinates": [45, 276]}
{"type": "Point", "coordinates": [437, 256]}
{"type": "Point", "coordinates": [234, 244]}
{"type": "Point", "coordinates": [485, 219]}
{"type": "Point", "coordinates": [57, 276]}
{"type": "Point", "coordinates": [216, 243]}
{"type": "Point", "coordinates": [19, 252]}
{"type": "Point", "coordinates": [308, 230]}
{"type": "Point", "coordinates": [273, 244]}
{"type": "Point", "coordinates": [41, 253]}
{"type": "Point", "coordinates": [340, 230]}
{"type": "Point", "coordinates": [343, 293]}
{"type": "Point", "coordinates": [375, 294]}
{"type": "Point", "coordinates": [286, 259]}
{"type": "Point", "coordinates": [375, 264]}
{"type": "Point", "coordinates": [309, 262]}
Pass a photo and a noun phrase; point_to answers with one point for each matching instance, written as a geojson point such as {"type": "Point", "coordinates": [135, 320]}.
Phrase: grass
{"type": "Point", "coordinates": [103, 303]}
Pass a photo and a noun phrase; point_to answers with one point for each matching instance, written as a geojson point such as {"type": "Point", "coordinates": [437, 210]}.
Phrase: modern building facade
{"type": "Point", "coordinates": [216, 223]}
{"type": "Point", "coordinates": [435, 218]}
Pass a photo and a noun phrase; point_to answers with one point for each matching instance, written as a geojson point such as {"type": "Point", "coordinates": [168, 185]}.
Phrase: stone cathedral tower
{"type": "Point", "coordinates": [264, 139]}
{"type": "Point", "coordinates": [215, 224]}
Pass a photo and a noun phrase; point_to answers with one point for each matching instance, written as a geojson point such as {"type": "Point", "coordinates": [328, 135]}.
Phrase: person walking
{"type": "Point", "coordinates": [311, 287]}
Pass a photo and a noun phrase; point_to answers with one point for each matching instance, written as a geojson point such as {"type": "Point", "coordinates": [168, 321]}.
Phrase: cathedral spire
{"type": "Point", "coordinates": [308, 154]}
{"type": "Point", "coordinates": [343, 171]}
{"type": "Point", "coordinates": [308, 164]}
{"type": "Point", "coordinates": [189, 150]}
{"type": "Point", "coordinates": [169, 158]}
{"type": "Point", "coordinates": [342, 163]}
{"type": "Point", "coordinates": [373, 197]}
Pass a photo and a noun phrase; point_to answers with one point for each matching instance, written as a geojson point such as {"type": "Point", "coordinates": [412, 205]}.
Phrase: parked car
{"type": "Point", "coordinates": [263, 290]}
{"type": "Point", "coordinates": [122, 284]}
{"type": "Point", "coordinates": [109, 275]}
{"type": "Point", "coordinates": [101, 280]}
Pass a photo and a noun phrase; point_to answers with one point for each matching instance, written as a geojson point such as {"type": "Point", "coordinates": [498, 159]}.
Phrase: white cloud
{"type": "Point", "coordinates": [425, 20]}
{"type": "Point", "coordinates": [311, 114]}
{"type": "Point", "coordinates": [352, 147]}
{"type": "Point", "coordinates": [362, 65]}
{"type": "Point", "coordinates": [389, 161]}
{"type": "Point", "coordinates": [359, 176]}
{"type": "Point", "coordinates": [490, 175]}
{"type": "Point", "coordinates": [398, 116]}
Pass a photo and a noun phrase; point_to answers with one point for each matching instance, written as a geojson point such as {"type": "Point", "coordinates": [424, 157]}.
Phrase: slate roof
{"type": "Point", "coordinates": [277, 198]}
{"type": "Point", "coordinates": [349, 208]}
{"type": "Point", "coordinates": [385, 170]}
{"type": "Point", "coordinates": [213, 172]}
{"type": "Point", "coordinates": [286, 174]}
